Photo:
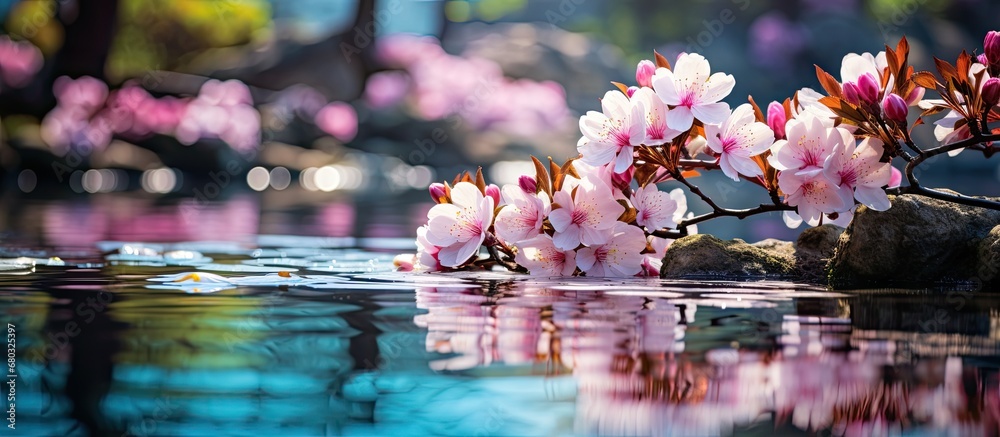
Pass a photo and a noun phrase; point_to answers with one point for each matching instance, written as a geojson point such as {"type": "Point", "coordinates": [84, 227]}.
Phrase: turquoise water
{"type": "Point", "coordinates": [319, 336]}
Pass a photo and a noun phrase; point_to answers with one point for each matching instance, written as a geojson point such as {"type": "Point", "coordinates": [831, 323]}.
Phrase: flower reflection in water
{"type": "Point", "coordinates": [662, 365]}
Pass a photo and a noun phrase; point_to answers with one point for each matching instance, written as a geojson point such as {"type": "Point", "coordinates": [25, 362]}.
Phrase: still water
{"type": "Point", "coordinates": [191, 319]}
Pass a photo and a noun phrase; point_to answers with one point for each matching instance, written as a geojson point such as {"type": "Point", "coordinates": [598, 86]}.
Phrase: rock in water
{"type": "Point", "coordinates": [813, 251]}
{"type": "Point", "coordinates": [989, 260]}
{"type": "Point", "coordinates": [918, 242]}
{"type": "Point", "coordinates": [703, 255]}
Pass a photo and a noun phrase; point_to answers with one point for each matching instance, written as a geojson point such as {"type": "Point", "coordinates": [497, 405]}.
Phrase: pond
{"type": "Point", "coordinates": [180, 319]}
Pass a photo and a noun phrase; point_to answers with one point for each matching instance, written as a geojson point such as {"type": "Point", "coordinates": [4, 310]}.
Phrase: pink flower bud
{"type": "Point", "coordinates": [527, 184]}
{"type": "Point", "coordinates": [438, 192]}
{"type": "Point", "coordinates": [493, 191]}
{"type": "Point", "coordinates": [894, 107]}
{"type": "Point", "coordinates": [915, 96]}
{"type": "Point", "coordinates": [991, 46]}
{"type": "Point", "coordinates": [867, 88]}
{"type": "Point", "coordinates": [776, 119]}
{"type": "Point", "coordinates": [644, 73]}
{"type": "Point", "coordinates": [631, 90]}
{"type": "Point", "coordinates": [895, 177]}
{"type": "Point", "coordinates": [982, 59]}
{"type": "Point", "coordinates": [404, 262]}
{"type": "Point", "coordinates": [851, 93]}
{"type": "Point", "coordinates": [991, 92]}
{"type": "Point", "coordinates": [622, 180]}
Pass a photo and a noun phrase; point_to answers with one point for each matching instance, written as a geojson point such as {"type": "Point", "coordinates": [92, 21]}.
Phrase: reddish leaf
{"type": "Point", "coordinates": [621, 87]}
{"type": "Point", "coordinates": [832, 102]}
{"type": "Point", "coordinates": [962, 66]}
{"type": "Point", "coordinates": [828, 83]}
{"type": "Point", "coordinates": [629, 214]}
{"type": "Point", "coordinates": [690, 174]}
{"type": "Point", "coordinates": [480, 180]}
{"type": "Point", "coordinates": [925, 79]}
{"type": "Point", "coordinates": [542, 177]}
{"type": "Point", "coordinates": [557, 175]}
{"type": "Point", "coordinates": [947, 70]}
{"type": "Point", "coordinates": [661, 62]}
{"type": "Point", "coordinates": [902, 50]}
{"type": "Point", "coordinates": [569, 169]}
{"type": "Point", "coordinates": [756, 110]}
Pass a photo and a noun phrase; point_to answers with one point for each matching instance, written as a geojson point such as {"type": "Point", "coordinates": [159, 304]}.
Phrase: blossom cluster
{"type": "Point", "coordinates": [818, 156]}
{"type": "Point", "coordinates": [19, 61]}
{"type": "Point", "coordinates": [439, 85]}
{"type": "Point", "coordinates": [88, 115]}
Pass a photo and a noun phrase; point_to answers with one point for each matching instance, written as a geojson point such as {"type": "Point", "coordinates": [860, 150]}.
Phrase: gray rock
{"type": "Point", "coordinates": [813, 251]}
{"type": "Point", "coordinates": [989, 260]}
{"type": "Point", "coordinates": [918, 242]}
{"type": "Point", "coordinates": [703, 255]}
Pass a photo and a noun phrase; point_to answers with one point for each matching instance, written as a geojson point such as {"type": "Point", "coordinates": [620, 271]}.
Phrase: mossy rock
{"type": "Point", "coordinates": [702, 255]}
{"type": "Point", "coordinates": [918, 242]}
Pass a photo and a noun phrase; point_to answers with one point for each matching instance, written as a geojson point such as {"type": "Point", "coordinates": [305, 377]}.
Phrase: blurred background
{"type": "Point", "coordinates": [184, 120]}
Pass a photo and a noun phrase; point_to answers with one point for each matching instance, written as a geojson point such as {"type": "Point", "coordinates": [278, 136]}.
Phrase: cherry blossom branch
{"type": "Point", "coordinates": [977, 139]}
{"type": "Point", "coordinates": [717, 211]}
{"type": "Point", "coordinates": [741, 214]}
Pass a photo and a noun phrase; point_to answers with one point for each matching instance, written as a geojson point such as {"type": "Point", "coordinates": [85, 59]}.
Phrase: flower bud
{"type": "Point", "coordinates": [895, 177]}
{"type": "Point", "coordinates": [915, 96]}
{"type": "Point", "coordinates": [776, 119]}
{"type": "Point", "coordinates": [991, 92]}
{"type": "Point", "coordinates": [644, 73]}
{"type": "Point", "coordinates": [624, 179]}
{"type": "Point", "coordinates": [404, 262]}
{"type": "Point", "coordinates": [991, 46]}
{"type": "Point", "coordinates": [527, 184]}
{"type": "Point", "coordinates": [631, 90]}
{"type": "Point", "coordinates": [493, 191]}
{"type": "Point", "coordinates": [982, 59]}
{"type": "Point", "coordinates": [439, 192]}
{"type": "Point", "coordinates": [851, 94]}
{"type": "Point", "coordinates": [867, 88]}
{"type": "Point", "coordinates": [894, 107]}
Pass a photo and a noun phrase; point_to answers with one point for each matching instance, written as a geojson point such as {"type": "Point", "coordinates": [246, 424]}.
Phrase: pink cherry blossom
{"type": "Point", "coordinates": [858, 170]}
{"type": "Point", "coordinates": [656, 209]}
{"type": "Point", "coordinates": [459, 228]}
{"type": "Point", "coordinates": [652, 262]}
{"type": "Point", "coordinates": [740, 137]}
{"type": "Point", "coordinates": [644, 73]}
{"type": "Point", "coordinates": [854, 67]}
{"type": "Point", "coordinates": [808, 145]}
{"type": "Point", "coordinates": [618, 257]}
{"type": "Point", "coordinates": [693, 92]}
{"type": "Point", "coordinates": [19, 61]}
{"type": "Point", "coordinates": [338, 119]}
{"type": "Point", "coordinates": [522, 216]}
{"type": "Point", "coordinates": [655, 117]}
{"type": "Point", "coordinates": [541, 257]}
{"type": "Point", "coordinates": [611, 135]}
{"type": "Point", "coordinates": [427, 253]}
{"type": "Point", "coordinates": [812, 194]}
{"type": "Point", "coordinates": [586, 217]}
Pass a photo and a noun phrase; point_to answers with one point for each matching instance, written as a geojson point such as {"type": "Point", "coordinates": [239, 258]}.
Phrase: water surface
{"type": "Point", "coordinates": [318, 336]}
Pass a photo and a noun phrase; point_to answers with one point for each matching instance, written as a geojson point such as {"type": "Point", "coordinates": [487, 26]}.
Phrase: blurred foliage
{"type": "Point", "coordinates": [163, 34]}
{"type": "Point", "coordinates": [35, 21]}
{"type": "Point", "coordinates": [899, 11]}
{"type": "Point", "coordinates": [459, 11]}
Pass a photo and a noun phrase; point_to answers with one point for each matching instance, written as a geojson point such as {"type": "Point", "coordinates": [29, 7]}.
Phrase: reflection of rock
{"type": "Point", "coordinates": [705, 255]}
{"type": "Point", "coordinates": [956, 323]}
{"type": "Point", "coordinates": [918, 241]}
